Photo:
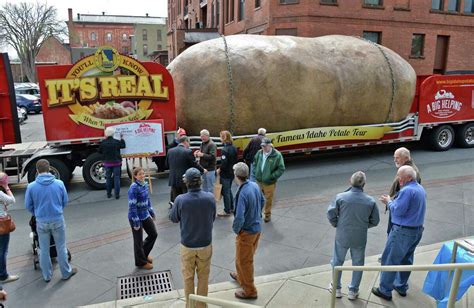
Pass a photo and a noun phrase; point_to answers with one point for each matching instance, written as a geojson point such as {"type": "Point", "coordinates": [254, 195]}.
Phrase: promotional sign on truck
{"type": "Point", "coordinates": [104, 88]}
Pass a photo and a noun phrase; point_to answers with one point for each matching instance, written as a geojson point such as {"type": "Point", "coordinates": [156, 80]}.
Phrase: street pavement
{"type": "Point", "coordinates": [299, 235]}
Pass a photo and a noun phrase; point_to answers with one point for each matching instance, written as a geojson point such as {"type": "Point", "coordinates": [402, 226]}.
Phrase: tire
{"type": "Point", "coordinates": [57, 167]}
{"type": "Point", "coordinates": [25, 110]}
{"type": "Point", "coordinates": [93, 171]}
{"type": "Point", "coordinates": [441, 138]}
{"type": "Point", "coordinates": [465, 135]}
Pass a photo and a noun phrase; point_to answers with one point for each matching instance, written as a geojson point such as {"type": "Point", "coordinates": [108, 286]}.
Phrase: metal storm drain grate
{"type": "Point", "coordinates": [144, 284]}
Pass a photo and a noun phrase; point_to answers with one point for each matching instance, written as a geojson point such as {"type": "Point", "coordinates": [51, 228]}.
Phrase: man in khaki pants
{"type": "Point", "coordinates": [195, 211]}
{"type": "Point", "coordinates": [247, 225]}
{"type": "Point", "coordinates": [268, 166]}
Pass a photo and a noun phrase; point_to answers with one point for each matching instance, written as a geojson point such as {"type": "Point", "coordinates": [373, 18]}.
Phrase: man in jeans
{"type": "Point", "coordinates": [207, 159]}
{"type": "Point", "coordinates": [46, 198]}
{"type": "Point", "coordinates": [195, 211]}
{"type": "Point", "coordinates": [110, 150]}
{"type": "Point", "coordinates": [247, 225]}
{"type": "Point", "coordinates": [352, 213]}
{"type": "Point", "coordinates": [408, 215]}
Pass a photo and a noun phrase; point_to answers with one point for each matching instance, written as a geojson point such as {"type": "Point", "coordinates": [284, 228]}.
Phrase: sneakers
{"type": "Point", "coordinates": [10, 278]}
{"type": "Point", "coordinates": [73, 272]}
{"type": "Point", "coordinates": [352, 295]}
{"type": "Point", "coordinates": [223, 214]}
{"type": "Point", "coordinates": [376, 291]}
{"type": "Point", "coordinates": [338, 291]}
{"type": "Point", "coordinates": [267, 219]}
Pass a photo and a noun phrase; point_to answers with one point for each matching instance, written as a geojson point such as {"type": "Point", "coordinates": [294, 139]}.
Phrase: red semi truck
{"type": "Point", "coordinates": [79, 100]}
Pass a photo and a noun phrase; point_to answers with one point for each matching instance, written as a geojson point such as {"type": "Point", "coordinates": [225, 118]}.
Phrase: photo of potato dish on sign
{"type": "Point", "coordinates": [111, 109]}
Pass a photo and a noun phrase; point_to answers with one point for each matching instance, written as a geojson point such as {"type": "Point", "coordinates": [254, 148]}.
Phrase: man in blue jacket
{"type": "Point", "coordinates": [46, 198]}
{"type": "Point", "coordinates": [352, 212]}
{"type": "Point", "coordinates": [195, 211]}
{"type": "Point", "coordinates": [247, 225]}
{"type": "Point", "coordinates": [408, 215]}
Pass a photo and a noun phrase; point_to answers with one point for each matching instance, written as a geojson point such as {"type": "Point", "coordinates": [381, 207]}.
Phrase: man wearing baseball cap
{"type": "Point", "coordinates": [268, 167]}
{"type": "Point", "coordinates": [195, 211]}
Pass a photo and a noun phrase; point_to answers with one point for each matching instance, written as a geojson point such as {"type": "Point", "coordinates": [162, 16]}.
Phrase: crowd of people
{"type": "Point", "coordinates": [192, 179]}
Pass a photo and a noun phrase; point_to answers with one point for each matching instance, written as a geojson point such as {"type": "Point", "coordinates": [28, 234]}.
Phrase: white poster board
{"type": "Point", "coordinates": [142, 138]}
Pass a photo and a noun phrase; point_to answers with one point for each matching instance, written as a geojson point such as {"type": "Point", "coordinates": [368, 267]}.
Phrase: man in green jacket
{"type": "Point", "coordinates": [268, 166]}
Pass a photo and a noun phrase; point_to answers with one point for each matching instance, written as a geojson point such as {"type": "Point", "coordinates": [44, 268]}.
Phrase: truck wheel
{"type": "Point", "coordinates": [465, 135]}
{"type": "Point", "coordinates": [442, 138]}
{"type": "Point", "coordinates": [93, 171]}
{"type": "Point", "coordinates": [57, 168]}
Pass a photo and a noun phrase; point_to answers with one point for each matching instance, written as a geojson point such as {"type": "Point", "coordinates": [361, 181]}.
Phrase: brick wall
{"type": "Point", "coordinates": [81, 35]}
{"type": "Point", "coordinates": [53, 50]}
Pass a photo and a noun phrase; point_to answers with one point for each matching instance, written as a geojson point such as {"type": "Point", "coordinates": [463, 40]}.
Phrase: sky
{"type": "Point", "coordinates": [156, 8]}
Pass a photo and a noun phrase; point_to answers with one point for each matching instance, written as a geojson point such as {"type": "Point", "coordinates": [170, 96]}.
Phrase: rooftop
{"type": "Point", "coordinates": [119, 19]}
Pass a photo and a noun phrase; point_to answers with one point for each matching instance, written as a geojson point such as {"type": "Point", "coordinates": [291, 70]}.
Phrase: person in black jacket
{"type": "Point", "coordinates": [110, 150]}
{"type": "Point", "coordinates": [251, 150]}
{"type": "Point", "coordinates": [178, 160]}
{"type": "Point", "coordinates": [226, 172]}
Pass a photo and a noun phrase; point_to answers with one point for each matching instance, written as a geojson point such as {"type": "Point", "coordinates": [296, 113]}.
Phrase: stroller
{"type": "Point", "coordinates": [52, 246]}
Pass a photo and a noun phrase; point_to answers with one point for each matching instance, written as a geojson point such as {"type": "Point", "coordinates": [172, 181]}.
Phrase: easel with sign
{"type": "Point", "coordinates": [143, 139]}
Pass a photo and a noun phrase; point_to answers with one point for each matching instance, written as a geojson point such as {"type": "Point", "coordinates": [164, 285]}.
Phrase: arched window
{"type": "Point", "coordinates": [93, 36]}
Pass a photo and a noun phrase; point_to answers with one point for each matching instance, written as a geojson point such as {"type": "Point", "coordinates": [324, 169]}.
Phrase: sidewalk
{"type": "Point", "coordinates": [308, 288]}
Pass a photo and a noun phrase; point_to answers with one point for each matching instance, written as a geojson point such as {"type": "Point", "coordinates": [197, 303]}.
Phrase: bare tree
{"type": "Point", "coordinates": [25, 26]}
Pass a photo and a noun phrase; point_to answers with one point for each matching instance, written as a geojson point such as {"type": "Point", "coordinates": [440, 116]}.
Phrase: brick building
{"type": "Point", "coordinates": [54, 51]}
{"type": "Point", "coordinates": [87, 32]}
{"type": "Point", "coordinates": [433, 35]}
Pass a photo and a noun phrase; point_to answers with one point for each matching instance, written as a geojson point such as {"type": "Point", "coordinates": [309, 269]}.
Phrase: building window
{"type": "Point", "coordinates": [373, 2]}
{"type": "Point", "coordinates": [218, 13]}
{"type": "Point", "coordinates": [159, 47]}
{"type": "Point", "coordinates": [145, 34]}
{"type": "Point", "coordinates": [158, 35]}
{"type": "Point", "coordinates": [125, 50]}
{"type": "Point", "coordinates": [108, 37]}
{"type": "Point", "coordinates": [124, 37]}
{"type": "Point", "coordinates": [241, 10]}
{"type": "Point", "coordinates": [454, 5]}
{"type": "Point", "coordinates": [372, 36]}
{"type": "Point", "coordinates": [289, 1]}
{"type": "Point", "coordinates": [417, 45]}
{"type": "Point", "coordinates": [93, 36]}
{"type": "Point", "coordinates": [145, 49]}
{"type": "Point", "coordinates": [437, 5]}
{"type": "Point", "coordinates": [257, 3]}
{"type": "Point", "coordinates": [328, 1]}
{"type": "Point", "coordinates": [469, 6]}
{"type": "Point", "coordinates": [288, 31]}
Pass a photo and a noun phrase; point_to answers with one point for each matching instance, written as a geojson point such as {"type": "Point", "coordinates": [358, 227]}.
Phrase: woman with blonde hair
{"type": "Point", "coordinates": [141, 217]}
{"type": "Point", "coordinates": [226, 172]}
{"type": "Point", "coordinates": [6, 199]}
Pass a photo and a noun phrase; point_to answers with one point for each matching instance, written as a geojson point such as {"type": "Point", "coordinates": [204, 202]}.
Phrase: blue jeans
{"type": "Point", "coordinates": [113, 173]}
{"type": "Point", "coordinates": [208, 180]}
{"type": "Point", "coordinates": [4, 240]}
{"type": "Point", "coordinates": [399, 250]}
{"type": "Point", "coordinates": [57, 230]}
{"type": "Point", "coordinates": [227, 195]}
{"type": "Point", "coordinates": [358, 258]}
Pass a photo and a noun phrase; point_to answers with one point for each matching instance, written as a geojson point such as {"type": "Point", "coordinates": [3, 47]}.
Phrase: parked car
{"type": "Point", "coordinates": [29, 103]}
{"type": "Point", "coordinates": [27, 88]}
{"type": "Point", "coordinates": [22, 116]}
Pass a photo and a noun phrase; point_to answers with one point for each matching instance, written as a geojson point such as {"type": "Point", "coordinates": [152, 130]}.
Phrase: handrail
{"type": "Point", "coordinates": [457, 267]}
{"type": "Point", "coordinates": [194, 298]}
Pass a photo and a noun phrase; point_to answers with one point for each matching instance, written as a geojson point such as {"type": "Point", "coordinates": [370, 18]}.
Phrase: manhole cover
{"type": "Point", "coordinates": [140, 285]}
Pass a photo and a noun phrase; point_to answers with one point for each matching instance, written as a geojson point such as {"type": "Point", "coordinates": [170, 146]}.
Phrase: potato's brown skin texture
{"type": "Point", "coordinates": [284, 83]}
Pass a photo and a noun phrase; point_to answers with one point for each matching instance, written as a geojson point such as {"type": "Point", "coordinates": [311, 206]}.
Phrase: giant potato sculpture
{"type": "Point", "coordinates": [284, 83]}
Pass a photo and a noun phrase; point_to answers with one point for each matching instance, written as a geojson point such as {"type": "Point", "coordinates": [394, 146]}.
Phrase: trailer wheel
{"type": "Point", "coordinates": [93, 171]}
{"type": "Point", "coordinates": [57, 168]}
{"type": "Point", "coordinates": [465, 135]}
{"type": "Point", "coordinates": [442, 138]}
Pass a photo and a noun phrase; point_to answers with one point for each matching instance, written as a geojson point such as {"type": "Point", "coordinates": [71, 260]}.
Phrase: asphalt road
{"type": "Point", "coordinates": [299, 235]}
{"type": "Point", "coordinates": [33, 128]}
